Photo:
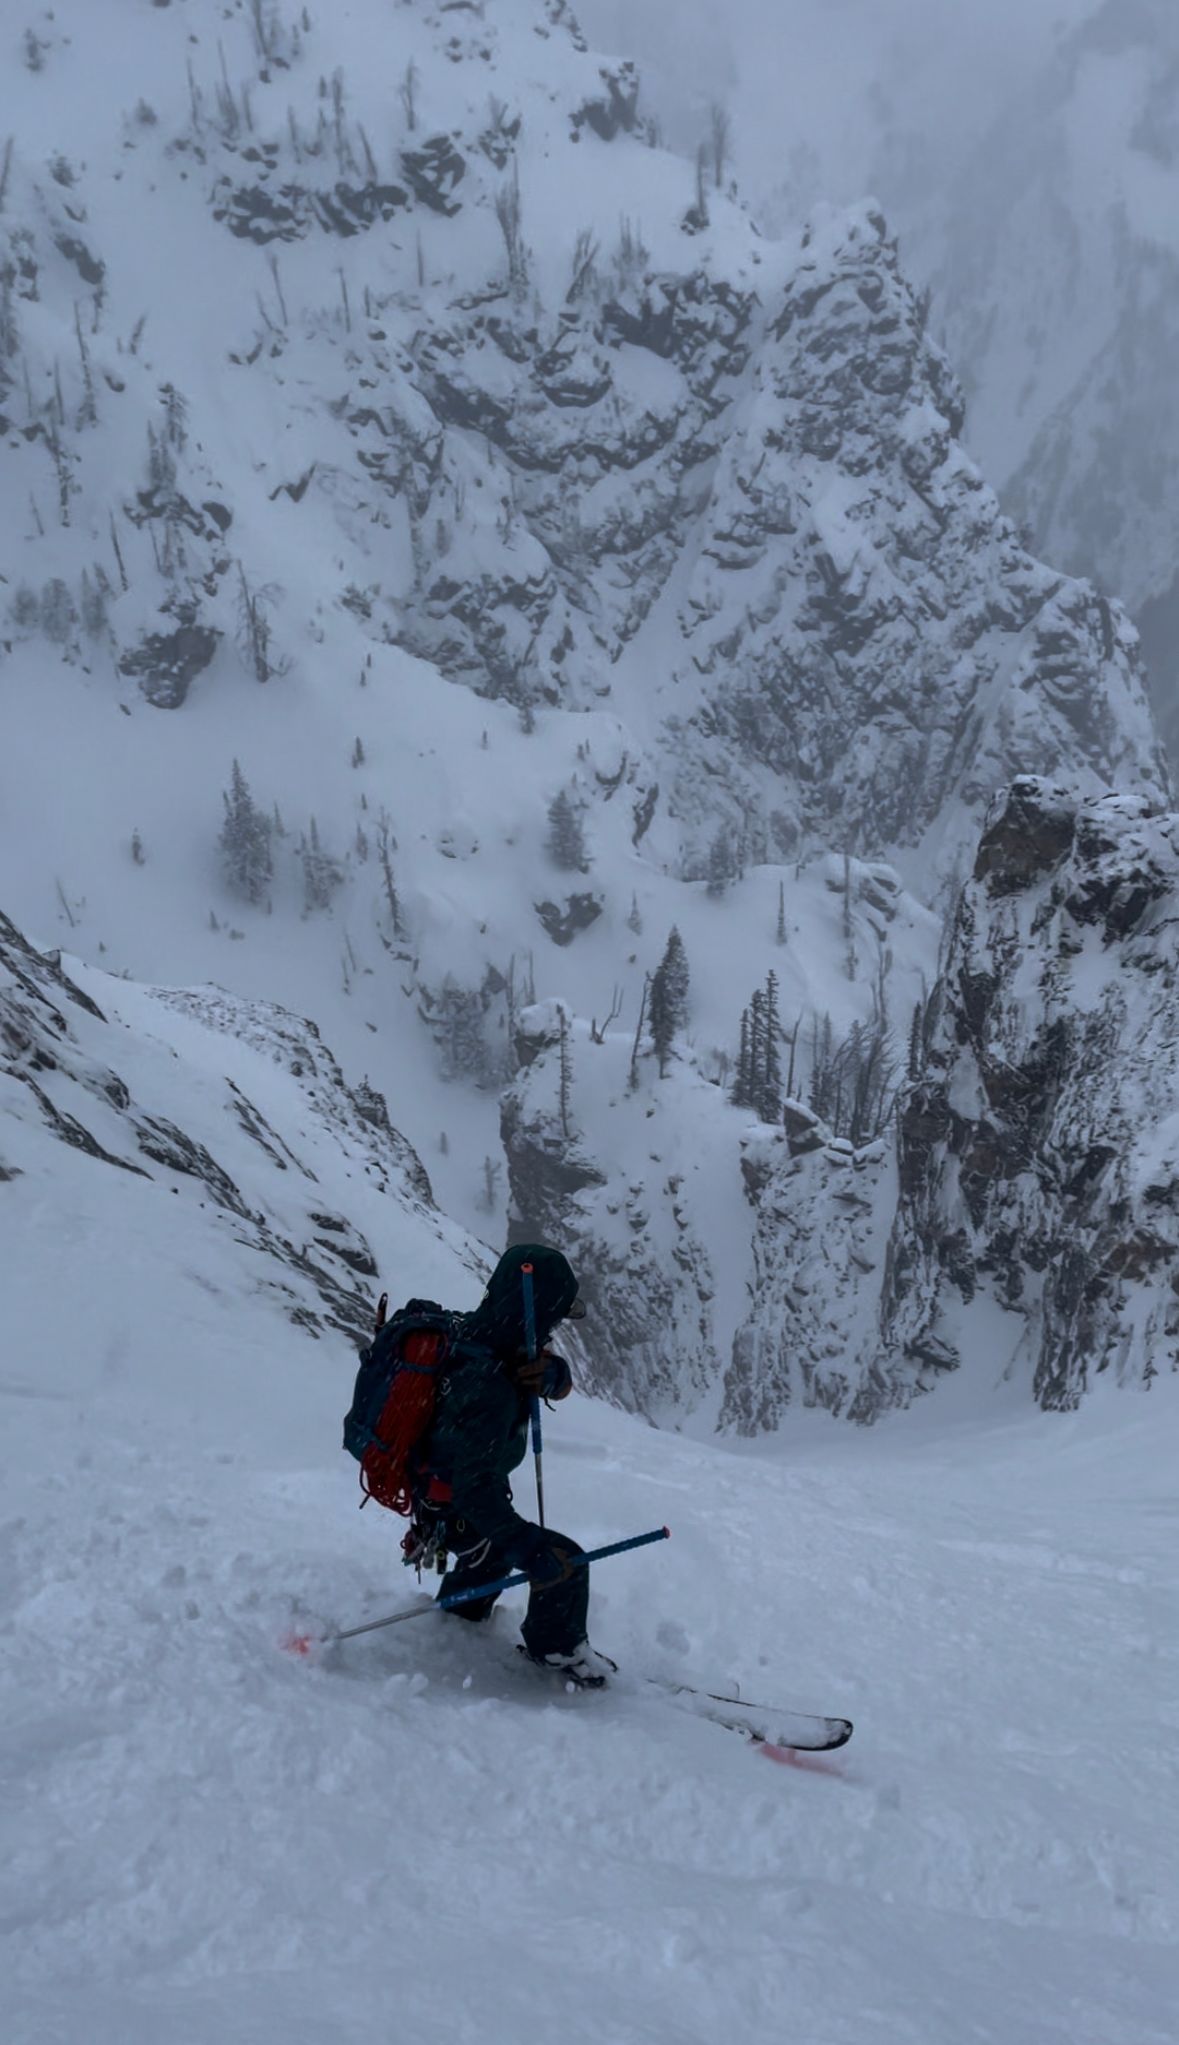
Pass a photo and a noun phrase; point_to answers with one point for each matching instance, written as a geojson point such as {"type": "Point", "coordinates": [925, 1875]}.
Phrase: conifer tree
{"type": "Point", "coordinates": [458, 1026]}
{"type": "Point", "coordinates": [741, 1094]}
{"type": "Point", "coordinates": [321, 873]}
{"type": "Point", "coordinates": [768, 1098]}
{"type": "Point", "coordinates": [566, 838]}
{"type": "Point", "coordinates": [668, 1008]}
{"type": "Point", "coordinates": [915, 1044]}
{"type": "Point", "coordinates": [722, 862]}
{"type": "Point", "coordinates": [245, 840]}
{"type": "Point", "coordinates": [565, 1081]}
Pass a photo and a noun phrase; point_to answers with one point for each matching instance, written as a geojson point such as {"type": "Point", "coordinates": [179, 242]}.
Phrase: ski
{"type": "Point", "coordinates": [777, 1730]}
{"type": "Point", "coordinates": [763, 1724]}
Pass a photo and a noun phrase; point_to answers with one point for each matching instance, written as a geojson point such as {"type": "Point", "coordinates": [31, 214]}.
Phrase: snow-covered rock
{"type": "Point", "coordinates": [1039, 1153]}
{"type": "Point", "coordinates": [625, 1190]}
{"type": "Point", "coordinates": [1020, 1222]}
{"type": "Point", "coordinates": [232, 1108]}
{"type": "Point", "coordinates": [811, 1334]}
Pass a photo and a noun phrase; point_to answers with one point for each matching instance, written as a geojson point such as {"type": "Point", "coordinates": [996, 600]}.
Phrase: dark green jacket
{"type": "Point", "coordinates": [479, 1434]}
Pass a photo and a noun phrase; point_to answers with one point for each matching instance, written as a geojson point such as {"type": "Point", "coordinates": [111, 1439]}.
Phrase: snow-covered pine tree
{"type": "Point", "coordinates": [722, 862]}
{"type": "Point", "coordinates": [668, 1008]}
{"type": "Point", "coordinates": [768, 1101]}
{"type": "Point", "coordinates": [245, 841]}
{"type": "Point", "coordinates": [741, 1092]}
{"type": "Point", "coordinates": [565, 1085]}
{"type": "Point", "coordinates": [913, 1066]}
{"type": "Point", "coordinates": [566, 839]}
{"type": "Point", "coordinates": [386, 844]}
{"type": "Point", "coordinates": [757, 1047]}
{"type": "Point", "coordinates": [322, 874]}
{"type": "Point", "coordinates": [457, 1021]}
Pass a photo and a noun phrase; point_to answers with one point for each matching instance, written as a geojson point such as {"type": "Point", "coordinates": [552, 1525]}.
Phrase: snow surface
{"type": "Point", "coordinates": [204, 1837]}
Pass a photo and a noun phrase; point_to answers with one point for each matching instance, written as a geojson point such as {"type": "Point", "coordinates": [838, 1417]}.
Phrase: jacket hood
{"type": "Point", "coordinates": [499, 1318]}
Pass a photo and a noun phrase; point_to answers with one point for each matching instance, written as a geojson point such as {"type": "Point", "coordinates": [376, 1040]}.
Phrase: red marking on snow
{"type": "Point", "coordinates": [795, 1757]}
{"type": "Point", "coordinates": [297, 1643]}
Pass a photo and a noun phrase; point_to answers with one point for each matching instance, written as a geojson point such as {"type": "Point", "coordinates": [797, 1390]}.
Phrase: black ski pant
{"type": "Point", "coordinates": [555, 1620]}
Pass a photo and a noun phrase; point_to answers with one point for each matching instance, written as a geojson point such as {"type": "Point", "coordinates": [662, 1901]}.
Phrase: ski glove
{"type": "Point", "coordinates": [553, 1561]}
{"type": "Point", "coordinates": [546, 1376]}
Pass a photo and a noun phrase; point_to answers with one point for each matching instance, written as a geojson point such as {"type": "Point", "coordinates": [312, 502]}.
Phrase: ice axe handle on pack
{"type": "Point", "coordinates": [530, 1339]}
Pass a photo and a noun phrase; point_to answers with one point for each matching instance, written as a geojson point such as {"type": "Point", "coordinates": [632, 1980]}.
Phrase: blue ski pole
{"type": "Point", "coordinates": [504, 1583]}
{"type": "Point", "coordinates": [530, 1338]}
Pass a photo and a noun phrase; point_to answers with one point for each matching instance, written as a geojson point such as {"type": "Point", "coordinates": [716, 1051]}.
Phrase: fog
{"type": "Point", "coordinates": [848, 85]}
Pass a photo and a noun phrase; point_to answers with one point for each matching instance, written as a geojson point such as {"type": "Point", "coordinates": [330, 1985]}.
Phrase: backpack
{"type": "Point", "coordinates": [393, 1403]}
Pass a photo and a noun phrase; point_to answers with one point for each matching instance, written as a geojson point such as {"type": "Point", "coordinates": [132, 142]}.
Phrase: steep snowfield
{"type": "Point", "coordinates": [204, 1837]}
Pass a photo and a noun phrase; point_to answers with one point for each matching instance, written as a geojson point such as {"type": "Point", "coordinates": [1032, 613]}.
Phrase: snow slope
{"type": "Point", "coordinates": [205, 1837]}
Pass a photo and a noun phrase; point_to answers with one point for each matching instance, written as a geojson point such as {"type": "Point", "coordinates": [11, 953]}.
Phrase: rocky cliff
{"type": "Point", "coordinates": [1025, 1225]}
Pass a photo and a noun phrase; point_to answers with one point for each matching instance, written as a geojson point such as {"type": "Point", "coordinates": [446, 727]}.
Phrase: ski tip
{"type": "Point", "coordinates": [297, 1643]}
{"type": "Point", "coordinates": [810, 1763]}
{"type": "Point", "coordinates": [667, 1533]}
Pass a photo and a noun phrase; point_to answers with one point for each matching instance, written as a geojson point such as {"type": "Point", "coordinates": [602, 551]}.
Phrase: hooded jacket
{"type": "Point", "coordinates": [479, 1433]}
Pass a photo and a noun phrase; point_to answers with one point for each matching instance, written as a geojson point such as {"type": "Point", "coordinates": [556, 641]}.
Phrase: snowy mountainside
{"type": "Point", "coordinates": [527, 441]}
{"type": "Point", "coordinates": [339, 450]}
{"type": "Point", "coordinates": [232, 1108]}
{"type": "Point", "coordinates": [1021, 1226]}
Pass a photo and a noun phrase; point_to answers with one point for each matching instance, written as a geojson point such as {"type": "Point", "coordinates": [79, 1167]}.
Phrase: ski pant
{"type": "Point", "coordinates": [556, 1617]}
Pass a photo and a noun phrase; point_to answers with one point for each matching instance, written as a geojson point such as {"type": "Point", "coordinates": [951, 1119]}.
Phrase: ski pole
{"type": "Point", "coordinates": [504, 1583]}
{"type": "Point", "coordinates": [530, 1338]}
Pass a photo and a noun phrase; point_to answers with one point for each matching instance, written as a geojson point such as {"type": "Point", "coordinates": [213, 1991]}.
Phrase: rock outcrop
{"type": "Point", "coordinates": [644, 1265]}
{"type": "Point", "coordinates": [173, 1123]}
{"type": "Point", "coordinates": [1025, 1222]}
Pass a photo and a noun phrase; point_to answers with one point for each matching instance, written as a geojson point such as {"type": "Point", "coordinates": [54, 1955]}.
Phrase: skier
{"type": "Point", "coordinates": [462, 1497]}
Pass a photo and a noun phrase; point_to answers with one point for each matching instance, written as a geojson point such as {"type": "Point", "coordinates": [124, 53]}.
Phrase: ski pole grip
{"type": "Point", "coordinates": [508, 1583]}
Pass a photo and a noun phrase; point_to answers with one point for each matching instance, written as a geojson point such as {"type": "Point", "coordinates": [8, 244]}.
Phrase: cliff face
{"type": "Point", "coordinates": [1034, 1207]}
{"type": "Point", "coordinates": [1039, 1155]}
{"type": "Point", "coordinates": [627, 1197]}
{"type": "Point", "coordinates": [740, 499]}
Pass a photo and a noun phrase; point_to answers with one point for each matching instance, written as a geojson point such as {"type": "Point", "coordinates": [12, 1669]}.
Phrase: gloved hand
{"type": "Point", "coordinates": [546, 1376]}
{"type": "Point", "coordinates": [553, 1561]}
